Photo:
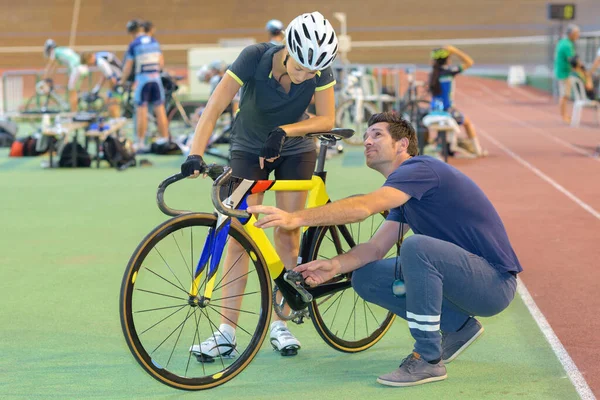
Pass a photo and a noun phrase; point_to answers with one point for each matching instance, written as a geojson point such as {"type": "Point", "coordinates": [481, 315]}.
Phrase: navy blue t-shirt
{"type": "Point", "coordinates": [446, 204]}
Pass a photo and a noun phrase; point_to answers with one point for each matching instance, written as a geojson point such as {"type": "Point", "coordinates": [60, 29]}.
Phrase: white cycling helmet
{"type": "Point", "coordinates": [311, 40]}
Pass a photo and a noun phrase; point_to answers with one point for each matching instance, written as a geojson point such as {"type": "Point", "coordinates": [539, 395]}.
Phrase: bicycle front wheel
{"type": "Point", "coordinates": [345, 321]}
{"type": "Point", "coordinates": [162, 322]}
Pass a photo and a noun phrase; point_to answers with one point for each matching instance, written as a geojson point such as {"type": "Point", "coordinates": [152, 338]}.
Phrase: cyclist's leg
{"type": "Point", "coordinates": [295, 167]}
{"type": "Point", "coordinates": [74, 77]}
{"type": "Point", "coordinates": [235, 263]}
{"type": "Point", "coordinates": [158, 97]}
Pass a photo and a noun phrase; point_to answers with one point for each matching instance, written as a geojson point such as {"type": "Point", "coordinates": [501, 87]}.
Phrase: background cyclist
{"type": "Point", "coordinates": [66, 57]}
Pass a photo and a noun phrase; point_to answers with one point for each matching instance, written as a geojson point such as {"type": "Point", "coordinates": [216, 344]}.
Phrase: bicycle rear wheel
{"type": "Point", "coordinates": [161, 322]}
{"type": "Point", "coordinates": [344, 320]}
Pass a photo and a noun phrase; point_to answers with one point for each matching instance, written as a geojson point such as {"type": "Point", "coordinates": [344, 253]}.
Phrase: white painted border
{"type": "Point", "coordinates": [576, 377]}
{"type": "Point", "coordinates": [565, 359]}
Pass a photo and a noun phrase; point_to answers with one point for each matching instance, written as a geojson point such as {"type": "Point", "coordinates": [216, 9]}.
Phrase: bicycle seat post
{"type": "Point", "coordinates": [324, 143]}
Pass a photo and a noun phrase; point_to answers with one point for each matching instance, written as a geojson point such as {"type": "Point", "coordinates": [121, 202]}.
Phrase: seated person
{"type": "Point", "coordinates": [580, 72]}
{"type": "Point", "coordinates": [65, 57]}
{"type": "Point", "coordinates": [112, 70]}
{"type": "Point", "coordinates": [441, 86]}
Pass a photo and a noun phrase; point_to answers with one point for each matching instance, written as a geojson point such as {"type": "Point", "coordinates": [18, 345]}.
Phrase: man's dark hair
{"type": "Point", "coordinates": [133, 26]}
{"type": "Point", "coordinates": [147, 25]}
{"type": "Point", "coordinates": [399, 128]}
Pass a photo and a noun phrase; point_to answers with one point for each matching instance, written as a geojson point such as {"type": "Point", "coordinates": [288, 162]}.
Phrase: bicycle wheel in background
{"type": "Point", "coordinates": [345, 117]}
{"type": "Point", "coordinates": [345, 321]}
{"type": "Point", "coordinates": [161, 322]}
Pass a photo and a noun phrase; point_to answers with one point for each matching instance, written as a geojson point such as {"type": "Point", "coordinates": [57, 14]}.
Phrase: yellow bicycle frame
{"type": "Point", "coordinates": [317, 196]}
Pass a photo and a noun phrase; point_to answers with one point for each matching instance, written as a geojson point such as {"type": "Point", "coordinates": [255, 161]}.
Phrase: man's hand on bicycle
{"type": "Point", "coordinates": [193, 166]}
{"type": "Point", "coordinates": [274, 217]}
{"type": "Point", "coordinates": [319, 271]}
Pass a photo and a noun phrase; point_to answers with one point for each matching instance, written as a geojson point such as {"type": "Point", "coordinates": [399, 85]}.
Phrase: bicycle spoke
{"type": "Point", "coordinates": [235, 309]}
{"type": "Point", "coordinates": [196, 335]}
{"type": "Point", "coordinates": [230, 282]}
{"type": "Point", "coordinates": [159, 294]}
{"type": "Point", "coordinates": [170, 334]}
{"type": "Point", "coordinates": [169, 267]}
{"type": "Point", "coordinates": [178, 337]}
{"type": "Point", "coordinates": [232, 297]}
{"type": "Point", "coordinates": [159, 308]}
{"type": "Point", "coordinates": [180, 252]}
{"type": "Point", "coordinates": [353, 310]}
{"type": "Point", "coordinates": [334, 301]}
{"type": "Point", "coordinates": [168, 281]}
{"type": "Point", "coordinates": [155, 324]}
{"type": "Point", "coordinates": [371, 311]}
{"type": "Point", "coordinates": [232, 323]}
{"type": "Point", "coordinates": [365, 312]}
{"type": "Point", "coordinates": [337, 308]}
{"type": "Point", "coordinates": [214, 327]}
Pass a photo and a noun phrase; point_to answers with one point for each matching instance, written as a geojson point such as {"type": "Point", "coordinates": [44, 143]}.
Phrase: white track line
{"type": "Point", "coordinates": [541, 175]}
{"type": "Point", "coordinates": [583, 389]}
{"type": "Point", "coordinates": [571, 369]}
{"type": "Point", "coordinates": [528, 125]}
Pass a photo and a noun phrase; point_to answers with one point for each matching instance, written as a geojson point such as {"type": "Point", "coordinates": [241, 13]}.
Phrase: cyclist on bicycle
{"type": "Point", "coordinates": [112, 69]}
{"type": "Point", "coordinates": [275, 30]}
{"type": "Point", "coordinates": [65, 57]}
{"type": "Point", "coordinates": [277, 84]}
{"type": "Point", "coordinates": [145, 52]}
{"type": "Point", "coordinates": [441, 85]}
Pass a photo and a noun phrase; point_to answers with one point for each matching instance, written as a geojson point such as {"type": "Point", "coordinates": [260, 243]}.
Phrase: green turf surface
{"type": "Point", "coordinates": [67, 236]}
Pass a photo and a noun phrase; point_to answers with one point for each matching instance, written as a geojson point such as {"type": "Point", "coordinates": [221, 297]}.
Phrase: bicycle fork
{"type": "Point", "coordinates": [288, 282]}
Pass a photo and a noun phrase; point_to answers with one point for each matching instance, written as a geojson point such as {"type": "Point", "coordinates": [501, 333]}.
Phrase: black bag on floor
{"type": "Point", "coordinates": [83, 158]}
{"type": "Point", "coordinates": [8, 132]}
{"type": "Point", "coordinates": [118, 152]}
{"type": "Point", "coordinates": [164, 147]}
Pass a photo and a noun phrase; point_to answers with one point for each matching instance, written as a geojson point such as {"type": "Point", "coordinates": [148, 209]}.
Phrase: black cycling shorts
{"type": "Point", "coordinates": [295, 167]}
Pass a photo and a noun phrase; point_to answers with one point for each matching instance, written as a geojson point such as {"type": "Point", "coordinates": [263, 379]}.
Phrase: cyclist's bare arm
{"type": "Point", "coordinates": [50, 68]}
{"type": "Point", "coordinates": [467, 62]}
{"type": "Point", "coordinates": [217, 103]}
{"type": "Point", "coordinates": [126, 71]}
{"type": "Point", "coordinates": [324, 121]}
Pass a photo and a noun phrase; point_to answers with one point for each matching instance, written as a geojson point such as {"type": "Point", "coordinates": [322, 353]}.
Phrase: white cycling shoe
{"type": "Point", "coordinates": [220, 344]}
{"type": "Point", "coordinates": [282, 339]}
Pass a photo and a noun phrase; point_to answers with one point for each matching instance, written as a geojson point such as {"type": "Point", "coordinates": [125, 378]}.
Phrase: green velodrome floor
{"type": "Point", "coordinates": [65, 240]}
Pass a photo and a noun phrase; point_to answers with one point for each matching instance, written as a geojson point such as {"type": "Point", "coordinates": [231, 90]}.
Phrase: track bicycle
{"type": "Point", "coordinates": [175, 290]}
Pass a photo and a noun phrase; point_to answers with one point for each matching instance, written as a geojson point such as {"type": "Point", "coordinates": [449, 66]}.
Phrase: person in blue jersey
{"type": "Point", "coordinates": [441, 86]}
{"type": "Point", "coordinates": [458, 264]}
{"type": "Point", "coordinates": [268, 136]}
{"type": "Point", "coordinates": [111, 70]}
{"type": "Point", "coordinates": [145, 52]}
